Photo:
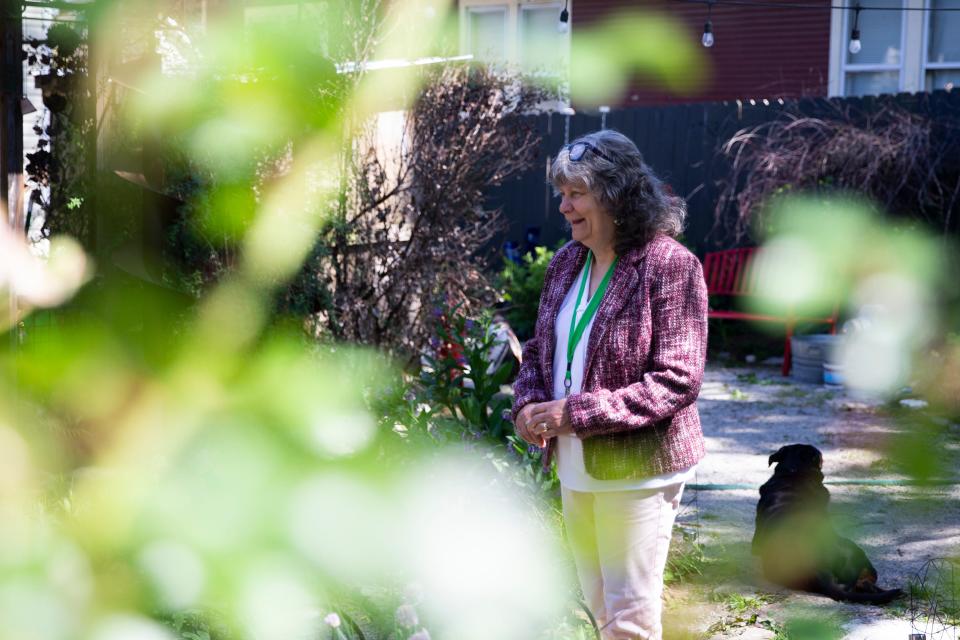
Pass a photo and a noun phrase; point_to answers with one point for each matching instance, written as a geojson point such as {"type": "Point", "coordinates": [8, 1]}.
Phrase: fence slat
{"type": "Point", "coordinates": [681, 143]}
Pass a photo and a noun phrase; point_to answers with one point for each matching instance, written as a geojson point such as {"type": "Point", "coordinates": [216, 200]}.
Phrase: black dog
{"type": "Point", "coordinates": [797, 545]}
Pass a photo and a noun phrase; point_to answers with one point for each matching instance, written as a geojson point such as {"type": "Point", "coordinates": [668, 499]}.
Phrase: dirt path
{"type": "Point", "coordinates": [748, 414]}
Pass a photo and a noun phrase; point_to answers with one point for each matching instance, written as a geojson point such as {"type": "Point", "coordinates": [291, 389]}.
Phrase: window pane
{"type": "Point", "coordinates": [879, 34]}
{"type": "Point", "coordinates": [542, 46]}
{"type": "Point", "coordinates": [944, 32]}
{"type": "Point", "coordinates": [309, 20]}
{"type": "Point", "coordinates": [488, 40]}
{"type": "Point", "coordinates": [277, 16]}
{"type": "Point", "coordinates": [871, 83]}
{"type": "Point", "coordinates": [943, 79]}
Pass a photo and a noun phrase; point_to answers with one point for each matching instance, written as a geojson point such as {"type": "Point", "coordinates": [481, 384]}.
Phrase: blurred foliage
{"type": "Point", "coordinates": [811, 627]}
{"type": "Point", "coordinates": [897, 284]}
{"type": "Point", "coordinates": [603, 58]}
{"type": "Point", "coordinates": [821, 251]}
{"type": "Point", "coordinates": [196, 466]}
{"type": "Point", "coordinates": [938, 379]}
{"type": "Point", "coordinates": [404, 221]}
{"type": "Point", "coordinates": [411, 222]}
{"type": "Point", "coordinates": [521, 285]}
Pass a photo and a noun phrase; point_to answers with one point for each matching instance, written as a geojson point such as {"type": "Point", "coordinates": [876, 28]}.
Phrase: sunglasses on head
{"type": "Point", "coordinates": [577, 149]}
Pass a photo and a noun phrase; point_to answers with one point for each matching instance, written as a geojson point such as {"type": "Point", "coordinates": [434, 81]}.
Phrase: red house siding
{"type": "Point", "coordinates": [760, 52]}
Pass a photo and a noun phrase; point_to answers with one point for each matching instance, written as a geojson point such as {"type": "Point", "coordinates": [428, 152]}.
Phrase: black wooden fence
{"type": "Point", "coordinates": [682, 144]}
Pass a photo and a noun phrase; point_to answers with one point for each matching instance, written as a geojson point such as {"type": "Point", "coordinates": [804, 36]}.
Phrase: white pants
{"type": "Point", "coordinates": [620, 541]}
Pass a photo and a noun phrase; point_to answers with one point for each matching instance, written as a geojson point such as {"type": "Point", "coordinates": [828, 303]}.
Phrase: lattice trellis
{"type": "Point", "coordinates": [935, 601]}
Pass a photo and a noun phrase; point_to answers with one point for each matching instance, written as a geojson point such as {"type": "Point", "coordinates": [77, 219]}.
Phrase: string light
{"type": "Point", "coordinates": [813, 7]}
{"type": "Point", "coordinates": [564, 24]}
{"type": "Point", "coordinates": [855, 44]}
{"type": "Point", "coordinates": [707, 39]}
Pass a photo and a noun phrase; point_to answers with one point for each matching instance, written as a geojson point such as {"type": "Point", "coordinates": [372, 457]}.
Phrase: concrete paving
{"type": "Point", "coordinates": [747, 414]}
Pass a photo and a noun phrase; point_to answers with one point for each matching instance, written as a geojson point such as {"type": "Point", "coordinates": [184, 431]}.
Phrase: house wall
{"type": "Point", "coordinates": [760, 52]}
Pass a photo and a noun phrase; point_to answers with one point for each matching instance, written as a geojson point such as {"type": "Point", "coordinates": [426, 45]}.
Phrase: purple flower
{"type": "Point", "coordinates": [332, 619]}
{"type": "Point", "coordinates": [406, 616]}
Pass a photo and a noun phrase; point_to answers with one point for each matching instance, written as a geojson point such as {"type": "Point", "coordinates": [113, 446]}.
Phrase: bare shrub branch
{"type": "Point", "coordinates": [410, 225]}
{"type": "Point", "coordinates": [908, 163]}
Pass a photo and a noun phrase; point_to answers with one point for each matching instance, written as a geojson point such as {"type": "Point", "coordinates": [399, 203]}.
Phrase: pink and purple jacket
{"type": "Point", "coordinates": [637, 415]}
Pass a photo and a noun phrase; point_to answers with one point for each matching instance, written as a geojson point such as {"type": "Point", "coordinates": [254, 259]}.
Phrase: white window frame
{"type": "Point", "coordinates": [850, 68]}
{"type": "Point", "coordinates": [531, 6]}
{"type": "Point", "coordinates": [913, 66]}
{"type": "Point", "coordinates": [925, 64]}
{"type": "Point", "coordinates": [513, 22]}
{"type": "Point", "coordinates": [485, 7]}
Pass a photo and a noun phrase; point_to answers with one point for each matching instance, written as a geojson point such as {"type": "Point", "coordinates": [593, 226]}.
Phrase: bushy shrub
{"type": "Point", "coordinates": [521, 285]}
{"type": "Point", "coordinates": [460, 397]}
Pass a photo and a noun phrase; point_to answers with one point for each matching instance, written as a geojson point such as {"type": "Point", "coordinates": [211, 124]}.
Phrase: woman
{"type": "Point", "coordinates": [609, 381]}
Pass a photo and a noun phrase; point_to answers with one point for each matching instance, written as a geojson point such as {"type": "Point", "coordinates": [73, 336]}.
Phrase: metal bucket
{"type": "Point", "coordinates": [809, 354]}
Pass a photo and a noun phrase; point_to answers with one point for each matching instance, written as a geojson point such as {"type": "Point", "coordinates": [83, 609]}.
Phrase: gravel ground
{"type": "Point", "coordinates": [747, 414]}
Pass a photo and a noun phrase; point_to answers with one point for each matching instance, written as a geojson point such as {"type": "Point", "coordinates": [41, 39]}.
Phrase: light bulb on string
{"type": "Point", "coordinates": [855, 44]}
{"type": "Point", "coordinates": [707, 38]}
{"type": "Point", "coordinates": [564, 23]}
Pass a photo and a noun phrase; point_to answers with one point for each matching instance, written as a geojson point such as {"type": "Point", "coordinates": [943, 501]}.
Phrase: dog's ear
{"type": "Point", "coordinates": [775, 457]}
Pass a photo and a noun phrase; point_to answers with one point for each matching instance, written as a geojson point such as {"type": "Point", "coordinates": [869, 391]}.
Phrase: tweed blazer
{"type": "Point", "coordinates": [637, 414]}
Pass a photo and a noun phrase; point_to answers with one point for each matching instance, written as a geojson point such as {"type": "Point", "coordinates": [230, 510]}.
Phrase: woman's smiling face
{"type": "Point", "coordinates": [590, 223]}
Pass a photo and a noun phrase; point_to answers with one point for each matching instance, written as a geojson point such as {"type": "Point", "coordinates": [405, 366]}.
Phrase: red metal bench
{"type": "Point", "coordinates": [732, 273]}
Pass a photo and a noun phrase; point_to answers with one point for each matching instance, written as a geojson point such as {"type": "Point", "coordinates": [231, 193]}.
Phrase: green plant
{"type": "Point", "coordinates": [460, 397]}
{"type": "Point", "coordinates": [811, 628]}
{"type": "Point", "coordinates": [58, 169]}
{"type": "Point", "coordinates": [459, 375]}
{"type": "Point", "coordinates": [686, 557]}
{"type": "Point", "coordinates": [194, 624]}
{"type": "Point", "coordinates": [738, 603]}
{"type": "Point", "coordinates": [745, 611]}
{"type": "Point", "coordinates": [736, 394]}
{"type": "Point", "coordinates": [942, 599]}
{"type": "Point", "coordinates": [199, 434]}
{"type": "Point", "coordinates": [521, 285]}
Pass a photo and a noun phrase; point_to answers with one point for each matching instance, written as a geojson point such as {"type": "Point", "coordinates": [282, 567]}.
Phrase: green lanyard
{"type": "Point", "coordinates": [577, 328]}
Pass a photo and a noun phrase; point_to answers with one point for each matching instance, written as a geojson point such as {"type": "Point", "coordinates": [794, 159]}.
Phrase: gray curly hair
{"type": "Point", "coordinates": [626, 187]}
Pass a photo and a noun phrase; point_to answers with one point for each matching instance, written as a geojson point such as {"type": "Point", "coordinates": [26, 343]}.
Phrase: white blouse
{"type": "Point", "coordinates": [570, 468]}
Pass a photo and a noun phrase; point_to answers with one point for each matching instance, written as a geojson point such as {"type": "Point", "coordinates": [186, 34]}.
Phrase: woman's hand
{"type": "Point", "coordinates": [524, 424]}
{"type": "Point", "coordinates": [550, 419]}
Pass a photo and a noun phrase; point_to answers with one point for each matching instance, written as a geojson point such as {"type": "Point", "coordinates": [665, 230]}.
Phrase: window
{"type": "Point", "coordinates": [487, 33]}
{"type": "Point", "coordinates": [901, 50]}
{"type": "Point", "coordinates": [520, 32]}
{"type": "Point", "coordinates": [878, 66]}
{"type": "Point", "coordinates": [942, 60]}
{"type": "Point", "coordinates": [309, 18]}
{"type": "Point", "coordinates": [541, 42]}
